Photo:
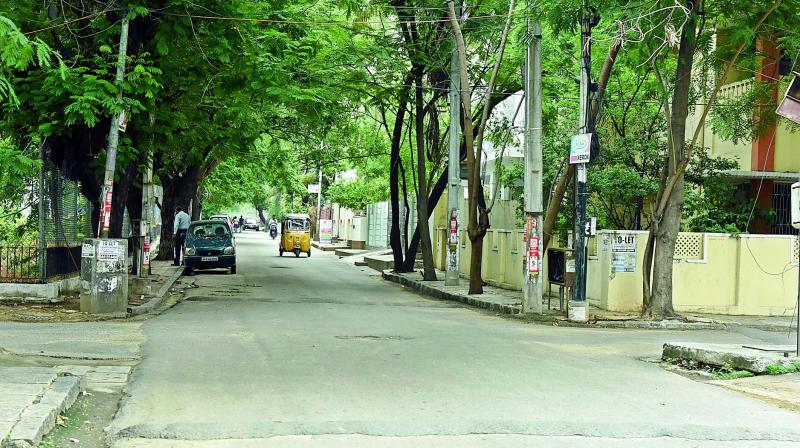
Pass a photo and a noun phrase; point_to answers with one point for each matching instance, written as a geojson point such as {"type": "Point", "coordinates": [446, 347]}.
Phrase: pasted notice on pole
{"type": "Point", "coordinates": [87, 251]}
{"type": "Point", "coordinates": [325, 231]}
{"type": "Point", "coordinates": [580, 150]}
{"type": "Point", "coordinates": [623, 253]}
{"type": "Point", "coordinates": [108, 251]}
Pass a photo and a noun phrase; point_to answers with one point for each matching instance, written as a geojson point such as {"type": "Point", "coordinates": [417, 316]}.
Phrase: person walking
{"type": "Point", "coordinates": [179, 231]}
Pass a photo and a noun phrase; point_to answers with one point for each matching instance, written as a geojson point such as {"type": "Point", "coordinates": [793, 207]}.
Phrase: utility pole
{"type": "Point", "coordinates": [319, 205]}
{"type": "Point", "coordinates": [147, 216]}
{"type": "Point", "coordinates": [532, 266]}
{"type": "Point", "coordinates": [113, 139]}
{"type": "Point", "coordinates": [577, 308]}
{"type": "Point", "coordinates": [454, 168]}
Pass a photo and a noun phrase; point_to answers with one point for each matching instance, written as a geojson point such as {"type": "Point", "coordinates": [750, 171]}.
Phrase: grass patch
{"type": "Point", "coordinates": [781, 369]}
{"type": "Point", "coordinates": [732, 374]}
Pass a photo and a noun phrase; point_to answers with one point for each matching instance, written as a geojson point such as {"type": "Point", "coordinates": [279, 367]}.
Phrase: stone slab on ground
{"type": "Point", "coordinates": [492, 299]}
{"type": "Point", "coordinates": [727, 355]}
{"type": "Point", "coordinates": [28, 411]}
{"type": "Point", "coordinates": [36, 421]}
{"type": "Point", "coordinates": [348, 252]}
{"type": "Point", "coordinates": [379, 262]}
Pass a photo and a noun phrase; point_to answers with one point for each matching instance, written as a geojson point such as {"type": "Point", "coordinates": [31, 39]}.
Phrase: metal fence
{"type": "Point", "coordinates": [60, 218]}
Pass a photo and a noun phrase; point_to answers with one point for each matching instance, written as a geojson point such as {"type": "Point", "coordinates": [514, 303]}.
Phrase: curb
{"type": "Point", "coordinates": [38, 419]}
{"type": "Point", "coordinates": [658, 325]}
{"type": "Point", "coordinates": [444, 295]}
{"type": "Point", "coordinates": [155, 301]}
{"type": "Point", "coordinates": [717, 355]}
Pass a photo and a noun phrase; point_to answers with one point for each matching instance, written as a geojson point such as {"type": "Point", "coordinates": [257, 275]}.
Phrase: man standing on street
{"type": "Point", "coordinates": [180, 228]}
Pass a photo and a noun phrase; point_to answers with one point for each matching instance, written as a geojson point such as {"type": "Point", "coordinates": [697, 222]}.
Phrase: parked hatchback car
{"type": "Point", "coordinates": [225, 218]}
{"type": "Point", "coordinates": [209, 245]}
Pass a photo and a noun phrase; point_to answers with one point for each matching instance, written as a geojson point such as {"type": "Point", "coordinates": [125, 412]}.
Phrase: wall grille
{"type": "Point", "coordinates": [689, 246]}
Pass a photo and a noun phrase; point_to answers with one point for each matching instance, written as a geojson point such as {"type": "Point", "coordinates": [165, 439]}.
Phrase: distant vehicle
{"type": "Point", "coordinates": [250, 224]}
{"type": "Point", "coordinates": [209, 245]}
{"type": "Point", "coordinates": [225, 218]}
{"type": "Point", "coordinates": [296, 234]}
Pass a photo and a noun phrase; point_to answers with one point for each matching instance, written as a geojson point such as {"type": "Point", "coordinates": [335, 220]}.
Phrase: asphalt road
{"type": "Point", "coordinates": [314, 352]}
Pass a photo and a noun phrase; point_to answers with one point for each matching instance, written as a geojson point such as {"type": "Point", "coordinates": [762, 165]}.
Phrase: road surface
{"type": "Point", "coordinates": [314, 352]}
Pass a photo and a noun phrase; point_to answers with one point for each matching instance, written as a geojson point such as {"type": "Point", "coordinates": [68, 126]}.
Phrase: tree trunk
{"type": "Point", "coordinates": [394, 178]}
{"type": "Point", "coordinates": [261, 216]}
{"type": "Point", "coordinates": [119, 200]}
{"type": "Point", "coordinates": [475, 265]}
{"type": "Point", "coordinates": [429, 272]}
{"type": "Point", "coordinates": [178, 192]}
{"type": "Point", "coordinates": [665, 231]}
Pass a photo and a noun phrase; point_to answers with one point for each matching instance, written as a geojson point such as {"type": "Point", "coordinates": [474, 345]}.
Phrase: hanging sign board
{"type": "Point", "coordinates": [580, 151]}
{"type": "Point", "coordinates": [623, 253]}
{"type": "Point", "coordinates": [313, 188]}
{"type": "Point", "coordinates": [87, 251]}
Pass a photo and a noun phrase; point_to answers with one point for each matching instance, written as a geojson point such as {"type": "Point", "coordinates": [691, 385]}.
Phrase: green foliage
{"type": "Point", "coordinates": [17, 52]}
{"type": "Point", "coordinates": [713, 202]}
{"type": "Point", "coordinates": [781, 369]}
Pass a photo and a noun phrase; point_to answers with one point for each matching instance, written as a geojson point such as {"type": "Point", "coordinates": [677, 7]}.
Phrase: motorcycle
{"type": "Point", "coordinates": [273, 232]}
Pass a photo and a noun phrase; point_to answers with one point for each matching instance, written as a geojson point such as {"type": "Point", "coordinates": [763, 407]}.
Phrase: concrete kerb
{"type": "Point", "coordinates": [728, 356]}
{"type": "Point", "coordinates": [436, 293]}
{"type": "Point", "coordinates": [479, 302]}
{"type": "Point", "coordinates": [159, 297]}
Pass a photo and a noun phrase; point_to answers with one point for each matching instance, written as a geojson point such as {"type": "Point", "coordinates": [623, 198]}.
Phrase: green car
{"type": "Point", "coordinates": [209, 245]}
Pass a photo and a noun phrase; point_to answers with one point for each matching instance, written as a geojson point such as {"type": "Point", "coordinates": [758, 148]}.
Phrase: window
{"type": "Point", "coordinates": [209, 230]}
{"type": "Point", "coordinates": [781, 203]}
{"type": "Point", "coordinates": [298, 224]}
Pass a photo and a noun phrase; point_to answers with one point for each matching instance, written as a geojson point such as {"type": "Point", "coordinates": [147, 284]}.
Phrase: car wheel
{"type": "Point", "coordinates": [280, 252]}
{"type": "Point", "coordinates": [233, 269]}
{"type": "Point", "coordinates": [309, 253]}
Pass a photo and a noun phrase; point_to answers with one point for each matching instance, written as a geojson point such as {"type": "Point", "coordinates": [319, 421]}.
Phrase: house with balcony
{"type": "Point", "coordinates": [769, 162]}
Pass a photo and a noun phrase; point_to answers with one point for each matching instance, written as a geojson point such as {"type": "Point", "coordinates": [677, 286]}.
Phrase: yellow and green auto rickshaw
{"type": "Point", "coordinates": [296, 234]}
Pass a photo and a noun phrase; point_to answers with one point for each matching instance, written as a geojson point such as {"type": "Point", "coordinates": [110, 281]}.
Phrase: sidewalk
{"type": "Point", "coordinates": [33, 398]}
{"type": "Point", "coordinates": [141, 301]}
{"type": "Point", "coordinates": [510, 302]}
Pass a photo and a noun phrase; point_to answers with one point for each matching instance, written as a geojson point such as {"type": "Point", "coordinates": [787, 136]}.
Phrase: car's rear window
{"type": "Point", "coordinates": [209, 230]}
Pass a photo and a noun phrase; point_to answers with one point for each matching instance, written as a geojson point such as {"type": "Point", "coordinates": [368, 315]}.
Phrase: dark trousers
{"type": "Point", "coordinates": [180, 240]}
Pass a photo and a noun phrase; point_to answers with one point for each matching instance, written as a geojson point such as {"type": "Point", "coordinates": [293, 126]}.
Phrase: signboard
{"type": "Point", "coordinates": [87, 251]}
{"type": "Point", "coordinates": [313, 188]}
{"type": "Point", "coordinates": [325, 231]}
{"type": "Point", "coordinates": [108, 251]}
{"type": "Point", "coordinates": [146, 251]}
{"type": "Point", "coordinates": [123, 121]}
{"type": "Point", "coordinates": [580, 150]}
{"type": "Point", "coordinates": [623, 253]}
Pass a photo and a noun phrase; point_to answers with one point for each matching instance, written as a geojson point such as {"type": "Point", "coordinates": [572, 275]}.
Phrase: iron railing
{"type": "Point", "coordinates": [20, 264]}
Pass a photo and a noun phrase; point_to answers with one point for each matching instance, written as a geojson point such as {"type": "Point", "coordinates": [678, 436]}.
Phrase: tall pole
{"type": "Point", "coordinates": [147, 215]}
{"type": "Point", "coordinates": [454, 168]}
{"type": "Point", "coordinates": [113, 139]}
{"type": "Point", "coordinates": [577, 309]}
{"type": "Point", "coordinates": [319, 205]}
{"type": "Point", "coordinates": [534, 209]}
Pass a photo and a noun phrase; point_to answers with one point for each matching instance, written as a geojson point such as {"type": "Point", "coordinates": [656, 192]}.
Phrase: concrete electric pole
{"type": "Point", "coordinates": [113, 139]}
{"type": "Point", "coordinates": [577, 307]}
{"type": "Point", "coordinates": [454, 168]}
{"type": "Point", "coordinates": [532, 266]}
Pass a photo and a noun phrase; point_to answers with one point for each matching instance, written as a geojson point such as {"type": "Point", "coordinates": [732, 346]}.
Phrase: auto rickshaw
{"type": "Point", "coordinates": [296, 234]}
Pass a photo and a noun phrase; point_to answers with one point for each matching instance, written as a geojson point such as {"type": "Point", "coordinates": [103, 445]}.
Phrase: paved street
{"type": "Point", "coordinates": [314, 352]}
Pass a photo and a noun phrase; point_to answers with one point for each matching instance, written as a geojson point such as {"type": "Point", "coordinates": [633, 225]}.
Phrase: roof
{"type": "Point", "coordinates": [208, 221]}
{"type": "Point", "coordinates": [298, 216]}
{"type": "Point", "coordinates": [765, 175]}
